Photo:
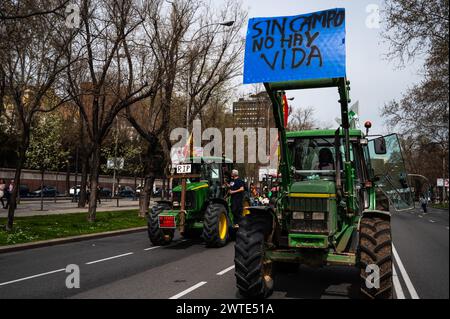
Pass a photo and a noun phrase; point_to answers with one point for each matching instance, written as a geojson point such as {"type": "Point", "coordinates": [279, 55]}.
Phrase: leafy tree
{"type": "Point", "coordinates": [45, 151]}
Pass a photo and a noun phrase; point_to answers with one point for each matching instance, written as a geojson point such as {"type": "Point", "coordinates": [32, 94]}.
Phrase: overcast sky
{"type": "Point", "coordinates": [374, 80]}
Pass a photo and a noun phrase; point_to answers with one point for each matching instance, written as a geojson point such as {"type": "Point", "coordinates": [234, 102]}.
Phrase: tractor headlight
{"type": "Point", "coordinates": [318, 216]}
{"type": "Point", "coordinates": [298, 215]}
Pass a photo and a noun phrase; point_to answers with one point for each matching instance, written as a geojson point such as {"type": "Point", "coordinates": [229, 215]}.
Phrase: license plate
{"type": "Point", "coordinates": [167, 222]}
{"type": "Point", "coordinates": [184, 169]}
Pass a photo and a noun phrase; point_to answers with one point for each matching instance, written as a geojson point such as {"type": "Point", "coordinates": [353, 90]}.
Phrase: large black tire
{"type": "Point", "coordinates": [215, 232]}
{"type": "Point", "coordinates": [158, 236]}
{"type": "Point", "coordinates": [253, 273]}
{"type": "Point", "coordinates": [375, 248]}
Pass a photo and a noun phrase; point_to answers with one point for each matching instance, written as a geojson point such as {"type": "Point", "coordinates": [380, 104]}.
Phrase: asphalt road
{"type": "Point", "coordinates": [129, 267]}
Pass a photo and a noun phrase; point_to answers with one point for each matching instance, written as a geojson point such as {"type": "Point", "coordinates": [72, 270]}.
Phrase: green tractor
{"type": "Point", "coordinates": [333, 207]}
{"type": "Point", "coordinates": [199, 206]}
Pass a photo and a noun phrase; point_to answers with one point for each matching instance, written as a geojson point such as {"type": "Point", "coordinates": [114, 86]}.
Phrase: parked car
{"type": "Point", "coordinates": [24, 191]}
{"type": "Point", "coordinates": [105, 192]}
{"type": "Point", "coordinates": [126, 191]}
{"type": "Point", "coordinates": [48, 191]}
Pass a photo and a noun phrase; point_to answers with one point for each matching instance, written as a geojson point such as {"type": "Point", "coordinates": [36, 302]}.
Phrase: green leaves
{"type": "Point", "coordinates": [45, 151]}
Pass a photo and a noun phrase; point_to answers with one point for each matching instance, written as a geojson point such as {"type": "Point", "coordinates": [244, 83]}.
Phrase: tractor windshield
{"type": "Point", "coordinates": [313, 158]}
{"type": "Point", "coordinates": [208, 172]}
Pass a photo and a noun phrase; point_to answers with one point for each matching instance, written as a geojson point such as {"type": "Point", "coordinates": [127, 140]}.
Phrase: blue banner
{"type": "Point", "coordinates": [309, 46]}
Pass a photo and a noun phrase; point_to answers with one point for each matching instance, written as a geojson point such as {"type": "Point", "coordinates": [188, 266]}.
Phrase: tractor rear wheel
{"type": "Point", "coordinates": [158, 236]}
{"type": "Point", "coordinates": [375, 248]}
{"type": "Point", "coordinates": [253, 272]}
{"type": "Point", "coordinates": [216, 226]}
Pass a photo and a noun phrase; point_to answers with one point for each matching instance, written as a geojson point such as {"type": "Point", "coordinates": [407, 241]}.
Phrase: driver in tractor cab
{"type": "Point", "coordinates": [237, 189]}
{"type": "Point", "coordinates": [326, 161]}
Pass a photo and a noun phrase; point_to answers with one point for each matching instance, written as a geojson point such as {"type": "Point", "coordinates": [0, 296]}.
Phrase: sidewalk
{"type": "Point", "coordinates": [32, 208]}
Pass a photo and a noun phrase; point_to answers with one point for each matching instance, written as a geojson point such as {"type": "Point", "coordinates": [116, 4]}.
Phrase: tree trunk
{"type": "Point", "coordinates": [42, 189]}
{"type": "Point", "coordinates": [67, 191]}
{"type": "Point", "coordinates": [144, 199]}
{"type": "Point", "coordinates": [94, 183]}
{"type": "Point", "coordinates": [83, 183]}
{"type": "Point", "coordinates": [57, 176]}
{"type": "Point", "coordinates": [15, 191]}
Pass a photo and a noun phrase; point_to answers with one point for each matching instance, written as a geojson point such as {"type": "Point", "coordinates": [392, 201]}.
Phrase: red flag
{"type": "Point", "coordinates": [285, 110]}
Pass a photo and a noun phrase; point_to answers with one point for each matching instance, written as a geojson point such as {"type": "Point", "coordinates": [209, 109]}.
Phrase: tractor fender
{"type": "Point", "coordinates": [219, 201]}
{"type": "Point", "coordinates": [380, 213]}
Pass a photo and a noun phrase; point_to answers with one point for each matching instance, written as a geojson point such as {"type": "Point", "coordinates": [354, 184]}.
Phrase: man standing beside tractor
{"type": "Point", "coordinates": [236, 192]}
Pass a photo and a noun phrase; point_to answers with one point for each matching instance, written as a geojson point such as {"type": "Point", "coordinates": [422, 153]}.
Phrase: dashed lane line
{"type": "Point", "coordinates": [109, 258]}
{"type": "Point", "coordinates": [185, 292]}
{"type": "Point", "coordinates": [151, 248]}
{"type": "Point", "coordinates": [223, 272]}
{"type": "Point", "coordinates": [31, 277]}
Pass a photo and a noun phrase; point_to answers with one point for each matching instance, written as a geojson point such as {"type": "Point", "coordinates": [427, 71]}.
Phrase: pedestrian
{"type": "Point", "coordinates": [88, 193]}
{"type": "Point", "coordinates": [99, 193]}
{"type": "Point", "coordinates": [8, 193]}
{"type": "Point", "coordinates": [2, 191]}
{"type": "Point", "coordinates": [237, 189]}
{"type": "Point", "coordinates": [424, 204]}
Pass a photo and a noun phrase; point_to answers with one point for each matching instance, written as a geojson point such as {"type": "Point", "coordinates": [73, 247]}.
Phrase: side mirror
{"type": "Point", "coordinates": [380, 146]}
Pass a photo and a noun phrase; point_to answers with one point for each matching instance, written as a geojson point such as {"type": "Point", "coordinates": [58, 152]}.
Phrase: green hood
{"type": "Point", "coordinates": [191, 186]}
{"type": "Point", "coordinates": [314, 187]}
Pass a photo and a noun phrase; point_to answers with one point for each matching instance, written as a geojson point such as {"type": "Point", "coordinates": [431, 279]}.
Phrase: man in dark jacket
{"type": "Point", "coordinates": [237, 189]}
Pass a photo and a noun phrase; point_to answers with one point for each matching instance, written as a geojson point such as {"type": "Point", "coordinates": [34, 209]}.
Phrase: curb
{"type": "Point", "coordinates": [72, 239]}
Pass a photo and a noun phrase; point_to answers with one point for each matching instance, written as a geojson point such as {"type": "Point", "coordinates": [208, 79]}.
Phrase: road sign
{"type": "Point", "coordinates": [116, 163]}
{"type": "Point", "coordinates": [184, 169]}
{"type": "Point", "coordinates": [308, 46]}
{"type": "Point", "coordinates": [440, 182]}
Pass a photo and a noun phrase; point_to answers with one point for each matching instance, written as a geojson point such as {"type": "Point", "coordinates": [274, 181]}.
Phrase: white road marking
{"type": "Point", "coordinates": [432, 221]}
{"type": "Point", "coordinates": [447, 228]}
{"type": "Point", "coordinates": [151, 248]}
{"type": "Point", "coordinates": [397, 286]}
{"type": "Point", "coordinates": [185, 292]}
{"type": "Point", "coordinates": [109, 258]}
{"type": "Point", "coordinates": [409, 285]}
{"type": "Point", "coordinates": [31, 277]}
{"type": "Point", "coordinates": [223, 272]}
{"type": "Point", "coordinates": [420, 216]}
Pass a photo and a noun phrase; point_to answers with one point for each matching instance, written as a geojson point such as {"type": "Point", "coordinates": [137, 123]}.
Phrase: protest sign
{"type": "Point", "coordinates": [309, 46]}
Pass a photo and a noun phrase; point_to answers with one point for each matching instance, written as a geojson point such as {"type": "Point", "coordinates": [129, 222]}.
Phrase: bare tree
{"type": "Point", "coordinates": [213, 57]}
{"type": "Point", "coordinates": [15, 10]}
{"type": "Point", "coordinates": [415, 28]}
{"type": "Point", "coordinates": [302, 119]}
{"type": "Point", "coordinates": [106, 81]}
{"type": "Point", "coordinates": [31, 59]}
{"type": "Point", "coordinates": [165, 27]}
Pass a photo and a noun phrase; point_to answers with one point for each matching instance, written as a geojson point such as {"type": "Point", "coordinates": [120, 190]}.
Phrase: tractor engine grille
{"type": "Point", "coordinates": [190, 199]}
{"type": "Point", "coordinates": [308, 209]}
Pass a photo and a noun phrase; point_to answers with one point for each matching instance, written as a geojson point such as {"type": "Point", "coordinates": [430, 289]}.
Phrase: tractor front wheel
{"type": "Point", "coordinates": [253, 272]}
{"type": "Point", "coordinates": [216, 226]}
{"type": "Point", "coordinates": [375, 253]}
{"type": "Point", "coordinates": [158, 236]}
